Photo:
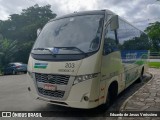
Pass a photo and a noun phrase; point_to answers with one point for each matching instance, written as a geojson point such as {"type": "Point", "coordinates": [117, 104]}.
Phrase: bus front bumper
{"type": "Point", "coordinates": [78, 97]}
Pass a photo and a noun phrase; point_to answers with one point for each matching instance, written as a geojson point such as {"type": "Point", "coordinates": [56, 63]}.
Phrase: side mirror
{"type": "Point", "coordinates": [114, 24]}
{"type": "Point", "coordinates": [38, 31]}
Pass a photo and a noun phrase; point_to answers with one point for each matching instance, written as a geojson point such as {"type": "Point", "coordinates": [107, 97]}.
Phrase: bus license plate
{"type": "Point", "coordinates": [50, 87]}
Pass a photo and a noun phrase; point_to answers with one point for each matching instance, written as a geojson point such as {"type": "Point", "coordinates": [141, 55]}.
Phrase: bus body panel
{"type": "Point", "coordinates": [112, 70]}
{"type": "Point", "coordinates": [57, 67]}
{"type": "Point", "coordinates": [74, 99]}
{"type": "Point", "coordinates": [86, 88]}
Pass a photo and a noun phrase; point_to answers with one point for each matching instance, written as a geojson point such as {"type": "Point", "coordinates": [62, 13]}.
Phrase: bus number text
{"type": "Point", "coordinates": [69, 65]}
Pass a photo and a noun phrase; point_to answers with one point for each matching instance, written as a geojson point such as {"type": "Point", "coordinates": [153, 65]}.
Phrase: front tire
{"type": "Point", "coordinates": [106, 105]}
{"type": "Point", "coordinates": [108, 100]}
{"type": "Point", "coordinates": [111, 95]}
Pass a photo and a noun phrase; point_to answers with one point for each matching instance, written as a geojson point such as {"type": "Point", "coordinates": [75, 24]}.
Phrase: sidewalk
{"type": "Point", "coordinates": [146, 98]}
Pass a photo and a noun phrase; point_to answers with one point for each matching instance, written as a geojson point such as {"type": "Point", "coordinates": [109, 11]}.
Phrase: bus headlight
{"type": "Point", "coordinates": [82, 78]}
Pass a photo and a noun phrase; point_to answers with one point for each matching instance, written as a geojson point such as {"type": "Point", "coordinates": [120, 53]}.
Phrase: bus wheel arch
{"type": "Point", "coordinates": [112, 93]}
{"type": "Point", "coordinates": [113, 89]}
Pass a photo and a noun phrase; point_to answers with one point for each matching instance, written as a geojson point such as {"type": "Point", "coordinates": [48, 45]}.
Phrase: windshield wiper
{"type": "Point", "coordinates": [45, 49]}
{"type": "Point", "coordinates": [72, 48]}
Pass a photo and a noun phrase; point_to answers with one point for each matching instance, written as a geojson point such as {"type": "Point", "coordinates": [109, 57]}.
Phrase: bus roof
{"type": "Point", "coordinates": [92, 12]}
{"type": "Point", "coordinates": [83, 13]}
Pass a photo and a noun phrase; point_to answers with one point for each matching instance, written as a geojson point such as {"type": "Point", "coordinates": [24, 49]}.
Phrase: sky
{"type": "Point", "coordinates": [137, 12]}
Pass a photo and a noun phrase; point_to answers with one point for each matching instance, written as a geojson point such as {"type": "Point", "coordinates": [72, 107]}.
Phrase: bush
{"type": "Point", "coordinates": [0, 70]}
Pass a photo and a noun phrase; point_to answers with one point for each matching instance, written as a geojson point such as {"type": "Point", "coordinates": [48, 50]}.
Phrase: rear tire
{"type": "Point", "coordinates": [111, 95]}
{"type": "Point", "coordinates": [14, 72]}
{"type": "Point", "coordinates": [140, 79]}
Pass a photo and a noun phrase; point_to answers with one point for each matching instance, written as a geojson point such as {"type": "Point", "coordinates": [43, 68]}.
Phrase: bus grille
{"type": "Point", "coordinates": [53, 79]}
{"type": "Point", "coordinates": [57, 93]}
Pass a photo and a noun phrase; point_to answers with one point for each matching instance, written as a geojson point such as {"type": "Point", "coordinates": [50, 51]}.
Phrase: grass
{"type": "Point", "coordinates": [140, 62]}
{"type": "Point", "coordinates": [154, 64]}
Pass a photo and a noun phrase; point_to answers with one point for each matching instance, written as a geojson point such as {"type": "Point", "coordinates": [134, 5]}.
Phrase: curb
{"type": "Point", "coordinates": [125, 102]}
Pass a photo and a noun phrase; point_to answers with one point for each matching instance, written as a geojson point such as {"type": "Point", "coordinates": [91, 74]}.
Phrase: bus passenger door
{"type": "Point", "coordinates": [111, 68]}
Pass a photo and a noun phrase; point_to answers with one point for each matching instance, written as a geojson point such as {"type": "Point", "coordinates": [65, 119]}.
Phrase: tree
{"type": "Point", "coordinates": [23, 50]}
{"type": "Point", "coordinates": [8, 49]}
{"type": "Point", "coordinates": [22, 28]}
{"type": "Point", "coordinates": [153, 31]}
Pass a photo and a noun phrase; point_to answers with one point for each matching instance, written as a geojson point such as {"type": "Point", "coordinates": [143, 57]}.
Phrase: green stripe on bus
{"type": "Point", "coordinates": [43, 67]}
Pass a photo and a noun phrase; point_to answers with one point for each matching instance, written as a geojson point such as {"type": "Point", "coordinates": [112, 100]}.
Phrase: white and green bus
{"type": "Point", "coordinates": [85, 59]}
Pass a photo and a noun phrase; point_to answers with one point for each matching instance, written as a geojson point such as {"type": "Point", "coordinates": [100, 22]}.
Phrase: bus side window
{"type": "Point", "coordinates": [109, 41]}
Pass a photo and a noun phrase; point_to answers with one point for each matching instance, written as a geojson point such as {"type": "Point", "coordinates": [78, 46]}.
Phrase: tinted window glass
{"type": "Point", "coordinates": [131, 38]}
{"type": "Point", "coordinates": [132, 42]}
{"type": "Point", "coordinates": [109, 41]}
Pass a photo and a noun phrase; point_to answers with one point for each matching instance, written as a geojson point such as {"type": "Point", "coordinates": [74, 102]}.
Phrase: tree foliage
{"type": "Point", "coordinates": [8, 49]}
{"type": "Point", "coordinates": [22, 28]}
{"type": "Point", "coordinates": [153, 31]}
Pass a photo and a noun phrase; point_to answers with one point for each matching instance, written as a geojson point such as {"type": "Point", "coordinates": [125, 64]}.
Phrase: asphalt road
{"type": "Point", "coordinates": [15, 97]}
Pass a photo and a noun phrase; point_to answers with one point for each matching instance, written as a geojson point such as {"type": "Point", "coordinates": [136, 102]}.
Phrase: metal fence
{"type": "Point", "coordinates": [154, 55]}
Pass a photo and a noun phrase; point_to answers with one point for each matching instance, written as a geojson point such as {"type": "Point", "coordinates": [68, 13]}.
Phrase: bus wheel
{"type": "Point", "coordinates": [140, 79]}
{"type": "Point", "coordinates": [106, 105]}
{"type": "Point", "coordinates": [108, 100]}
{"type": "Point", "coordinates": [111, 95]}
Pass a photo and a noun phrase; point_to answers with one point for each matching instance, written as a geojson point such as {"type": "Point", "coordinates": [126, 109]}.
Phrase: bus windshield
{"type": "Point", "coordinates": [72, 35]}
